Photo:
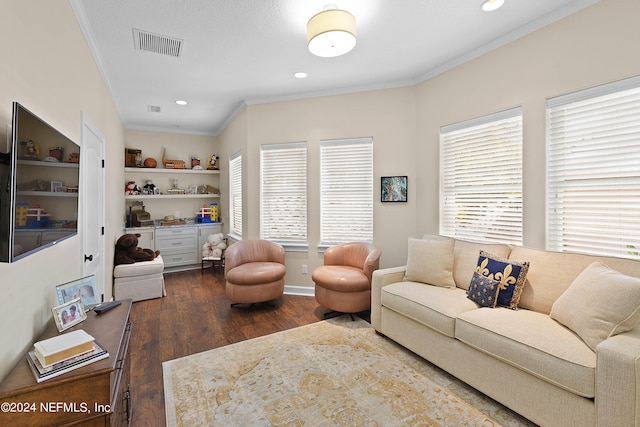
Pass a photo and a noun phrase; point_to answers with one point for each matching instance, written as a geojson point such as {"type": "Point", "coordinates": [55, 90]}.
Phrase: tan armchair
{"type": "Point", "coordinates": [254, 271]}
{"type": "Point", "coordinates": [343, 283]}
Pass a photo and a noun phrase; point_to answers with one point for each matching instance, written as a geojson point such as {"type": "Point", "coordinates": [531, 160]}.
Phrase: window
{"type": "Point", "coordinates": [346, 186]}
{"type": "Point", "coordinates": [235, 195]}
{"type": "Point", "coordinates": [283, 205]}
{"type": "Point", "coordinates": [481, 178]}
{"type": "Point", "coordinates": [593, 170]}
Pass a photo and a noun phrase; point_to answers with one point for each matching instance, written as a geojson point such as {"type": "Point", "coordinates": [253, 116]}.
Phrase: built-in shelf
{"type": "Point", "coordinates": [47, 194]}
{"type": "Point", "coordinates": [173, 196]}
{"type": "Point", "coordinates": [172, 171]}
{"type": "Point", "coordinates": [50, 164]}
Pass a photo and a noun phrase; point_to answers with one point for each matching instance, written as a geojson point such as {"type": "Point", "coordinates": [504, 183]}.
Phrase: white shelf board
{"type": "Point", "coordinates": [173, 171]}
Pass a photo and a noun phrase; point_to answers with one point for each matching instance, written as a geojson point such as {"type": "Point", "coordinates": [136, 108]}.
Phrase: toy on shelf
{"type": "Point", "coordinates": [207, 214]}
{"type": "Point", "coordinates": [212, 162]}
{"type": "Point", "coordinates": [171, 164]}
{"type": "Point", "coordinates": [131, 189]}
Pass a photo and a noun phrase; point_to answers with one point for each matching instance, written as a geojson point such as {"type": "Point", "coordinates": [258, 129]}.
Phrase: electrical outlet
{"type": "Point", "coordinates": [304, 268]}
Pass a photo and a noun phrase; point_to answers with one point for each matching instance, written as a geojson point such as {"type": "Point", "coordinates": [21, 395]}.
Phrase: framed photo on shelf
{"type": "Point", "coordinates": [56, 186]}
{"type": "Point", "coordinates": [69, 314]}
{"type": "Point", "coordinates": [393, 189]}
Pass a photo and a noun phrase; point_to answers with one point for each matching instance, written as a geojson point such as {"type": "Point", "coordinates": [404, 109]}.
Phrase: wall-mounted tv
{"type": "Point", "coordinates": [39, 179]}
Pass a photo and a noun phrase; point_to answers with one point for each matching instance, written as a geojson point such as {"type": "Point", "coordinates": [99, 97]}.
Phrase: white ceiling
{"type": "Point", "coordinates": [238, 52]}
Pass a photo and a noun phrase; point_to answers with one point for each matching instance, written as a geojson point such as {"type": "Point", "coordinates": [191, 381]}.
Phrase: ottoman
{"type": "Point", "coordinates": [139, 281]}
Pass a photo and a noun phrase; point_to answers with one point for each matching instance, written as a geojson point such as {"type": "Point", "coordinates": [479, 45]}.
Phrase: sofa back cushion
{"type": "Point", "coordinates": [465, 259]}
{"type": "Point", "coordinates": [551, 273]}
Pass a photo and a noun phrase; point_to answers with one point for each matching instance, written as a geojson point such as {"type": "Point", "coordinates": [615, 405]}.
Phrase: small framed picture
{"type": "Point", "coordinates": [393, 189]}
{"type": "Point", "coordinates": [69, 314]}
{"type": "Point", "coordinates": [193, 189]}
{"type": "Point", "coordinates": [56, 186]}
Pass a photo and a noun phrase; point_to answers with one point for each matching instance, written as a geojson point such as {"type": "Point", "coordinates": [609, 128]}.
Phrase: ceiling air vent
{"type": "Point", "coordinates": [156, 43]}
{"type": "Point", "coordinates": [153, 108]}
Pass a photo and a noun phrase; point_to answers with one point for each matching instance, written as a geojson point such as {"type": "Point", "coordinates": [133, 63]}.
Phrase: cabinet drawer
{"type": "Point", "coordinates": [172, 259]}
{"type": "Point", "coordinates": [176, 232]}
{"type": "Point", "coordinates": [176, 243]}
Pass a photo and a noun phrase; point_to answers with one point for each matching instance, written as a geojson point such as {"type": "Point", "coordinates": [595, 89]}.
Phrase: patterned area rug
{"type": "Point", "coordinates": [331, 373]}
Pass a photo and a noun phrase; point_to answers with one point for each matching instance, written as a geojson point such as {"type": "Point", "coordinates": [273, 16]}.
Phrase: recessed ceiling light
{"type": "Point", "coordinates": [490, 5]}
{"type": "Point", "coordinates": [181, 102]}
{"type": "Point", "coordinates": [300, 75]}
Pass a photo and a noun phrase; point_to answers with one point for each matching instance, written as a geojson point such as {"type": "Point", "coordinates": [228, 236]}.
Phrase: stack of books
{"type": "Point", "coordinates": [63, 353]}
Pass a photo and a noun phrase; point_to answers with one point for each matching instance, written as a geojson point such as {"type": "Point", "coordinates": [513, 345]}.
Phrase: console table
{"type": "Point", "coordinates": [95, 395]}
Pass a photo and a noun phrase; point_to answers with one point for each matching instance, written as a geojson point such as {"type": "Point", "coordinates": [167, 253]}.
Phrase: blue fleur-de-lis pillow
{"type": "Point", "coordinates": [483, 291]}
{"type": "Point", "coordinates": [509, 274]}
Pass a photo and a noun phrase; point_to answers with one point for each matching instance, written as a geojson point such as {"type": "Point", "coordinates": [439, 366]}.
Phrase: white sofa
{"type": "Point", "coordinates": [524, 358]}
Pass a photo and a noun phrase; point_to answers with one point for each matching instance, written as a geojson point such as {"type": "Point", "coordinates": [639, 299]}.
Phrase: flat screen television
{"type": "Point", "coordinates": [39, 179]}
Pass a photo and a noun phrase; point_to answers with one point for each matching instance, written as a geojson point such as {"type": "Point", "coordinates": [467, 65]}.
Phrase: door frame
{"type": "Point", "coordinates": [89, 128]}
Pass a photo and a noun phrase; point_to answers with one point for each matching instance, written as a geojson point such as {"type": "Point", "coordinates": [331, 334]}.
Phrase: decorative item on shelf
{"type": "Point", "coordinates": [208, 189]}
{"type": "Point", "coordinates": [68, 314]}
{"type": "Point", "coordinates": [150, 162]}
{"type": "Point", "coordinates": [174, 187]}
{"type": "Point", "coordinates": [137, 214]}
{"type": "Point", "coordinates": [214, 212]}
{"type": "Point", "coordinates": [74, 158]}
{"type": "Point", "coordinates": [37, 217]}
{"type": "Point", "coordinates": [172, 220]}
{"type": "Point", "coordinates": [203, 216]}
{"type": "Point", "coordinates": [149, 188]}
{"type": "Point", "coordinates": [212, 162]}
{"type": "Point", "coordinates": [132, 157]}
{"type": "Point", "coordinates": [56, 152]}
{"type": "Point", "coordinates": [21, 214]}
{"type": "Point", "coordinates": [32, 150]}
{"type": "Point", "coordinates": [131, 189]}
{"type": "Point", "coordinates": [73, 189]}
{"type": "Point", "coordinates": [195, 161]}
{"type": "Point", "coordinates": [171, 164]}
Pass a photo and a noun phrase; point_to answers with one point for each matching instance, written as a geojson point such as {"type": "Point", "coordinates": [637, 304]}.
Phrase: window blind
{"type": "Point", "coordinates": [346, 187]}
{"type": "Point", "coordinates": [481, 178]}
{"type": "Point", "coordinates": [235, 194]}
{"type": "Point", "coordinates": [593, 170]}
{"type": "Point", "coordinates": [283, 207]}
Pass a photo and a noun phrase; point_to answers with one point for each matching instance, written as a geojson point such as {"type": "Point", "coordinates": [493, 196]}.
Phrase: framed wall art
{"type": "Point", "coordinates": [393, 189]}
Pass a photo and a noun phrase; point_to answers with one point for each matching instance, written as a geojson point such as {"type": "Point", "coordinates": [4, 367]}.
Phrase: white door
{"type": "Point", "coordinates": [92, 201]}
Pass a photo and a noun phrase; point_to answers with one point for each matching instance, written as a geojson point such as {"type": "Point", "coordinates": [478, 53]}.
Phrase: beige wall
{"type": "Point", "coordinates": [48, 68]}
{"type": "Point", "coordinates": [592, 47]}
{"type": "Point", "coordinates": [385, 115]}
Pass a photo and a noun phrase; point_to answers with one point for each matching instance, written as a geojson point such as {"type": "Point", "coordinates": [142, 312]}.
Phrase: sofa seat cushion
{"type": "Point", "coordinates": [341, 278]}
{"type": "Point", "coordinates": [143, 268]}
{"type": "Point", "coordinates": [432, 306]}
{"type": "Point", "coordinates": [532, 342]}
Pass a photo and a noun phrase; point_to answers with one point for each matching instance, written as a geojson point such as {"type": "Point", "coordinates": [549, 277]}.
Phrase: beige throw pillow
{"type": "Point", "coordinates": [431, 261]}
{"type": "Point", "coordinates": [599, 303]}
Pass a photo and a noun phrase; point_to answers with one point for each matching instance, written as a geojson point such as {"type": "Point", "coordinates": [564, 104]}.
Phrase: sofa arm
{"type": "Point", "coordinates": [618, 380]}
{"type": "Point", "coordinates": [381, 278]}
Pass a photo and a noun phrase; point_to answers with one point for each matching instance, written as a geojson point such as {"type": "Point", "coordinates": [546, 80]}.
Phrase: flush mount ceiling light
{"type": "Point", "coordinates": [331, 32]}
{"type": "Point", "coordinates": [181, 102]}
{"type": "Point", "coordinates": [300, 75]}
{"type": "Point", "coordinates": [490, 5]}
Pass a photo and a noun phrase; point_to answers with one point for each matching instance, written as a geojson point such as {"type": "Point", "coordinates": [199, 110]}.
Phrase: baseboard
{"type": "Point", "coordinates": [299, 290]}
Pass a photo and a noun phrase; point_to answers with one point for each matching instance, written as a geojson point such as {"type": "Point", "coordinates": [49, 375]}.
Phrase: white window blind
{"type": "Point", "coordinates": [346, 186]}
{"type": "Point", "coordinates": [481, 178]}
{"type": "Point", "coordinates": [283, 207]}
{"type": "Point", "coordinates": [593, 170]}
{"type": "Point", "coordinates": [235, 195]}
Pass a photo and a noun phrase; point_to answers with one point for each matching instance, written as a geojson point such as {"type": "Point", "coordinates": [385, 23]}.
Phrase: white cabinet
{"type": "Point", "coordinates": [146, 239]}
{"type": "Point", "coordinates": [203, 232]}
{"type": "Point", "coordinates": [178, 245]}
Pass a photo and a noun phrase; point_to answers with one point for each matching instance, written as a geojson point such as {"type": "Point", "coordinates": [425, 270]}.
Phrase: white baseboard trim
{"type": "Point", "coordinates": [299, 290]}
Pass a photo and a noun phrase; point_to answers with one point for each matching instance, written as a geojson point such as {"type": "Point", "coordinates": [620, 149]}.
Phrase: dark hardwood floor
{"type": "Point", "coordinates": [196, 316]}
